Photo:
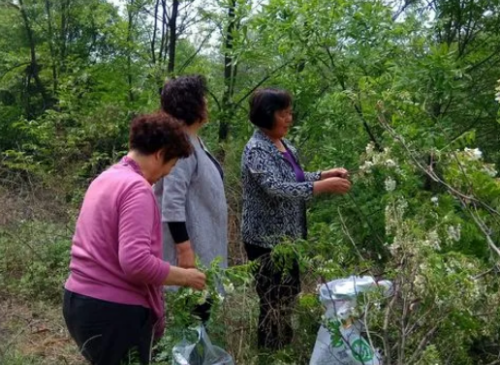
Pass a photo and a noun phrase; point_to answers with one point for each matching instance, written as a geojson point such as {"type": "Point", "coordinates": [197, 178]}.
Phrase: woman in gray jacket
{"type": "Point", "coordinates": [191, 197]}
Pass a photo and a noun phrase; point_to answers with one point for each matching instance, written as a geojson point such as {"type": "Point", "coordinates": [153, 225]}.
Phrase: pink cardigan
{"type": "Point", "coordinates": [117, 247]}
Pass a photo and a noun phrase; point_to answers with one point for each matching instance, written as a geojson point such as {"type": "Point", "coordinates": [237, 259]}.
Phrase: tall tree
{"type": "Point", "coordinates": [172, 27]}
{"type": "Point", "coordinates": [230, 72]}
{"type": "Point", "coordinates": [33, 69]}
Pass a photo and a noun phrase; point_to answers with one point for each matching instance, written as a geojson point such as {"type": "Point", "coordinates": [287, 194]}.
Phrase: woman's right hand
{"type": "Point", "coordinates": [192, 278]}
{"type": "Point", "coordinates": [335, 185]}
{"type": "Point", "coordinates": [195, 279]}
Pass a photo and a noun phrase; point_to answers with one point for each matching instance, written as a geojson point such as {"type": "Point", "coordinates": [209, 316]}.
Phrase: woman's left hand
{"type": "Point", "coordinates": [337, 172]}
{"type": "Point", "coordinates": [185, 255]}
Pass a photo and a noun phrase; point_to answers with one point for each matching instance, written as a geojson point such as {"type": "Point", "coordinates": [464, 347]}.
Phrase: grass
{"type": "Point", "coordinates": [33, 266]}
{"type": "Point", "coordinates": [34, 257]}
{"type": "Point", "coordinates": [34, 333]}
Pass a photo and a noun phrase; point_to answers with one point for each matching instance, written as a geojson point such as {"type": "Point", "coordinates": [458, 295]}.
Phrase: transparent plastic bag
{"type": "Point", "coordinates": [201, 352]}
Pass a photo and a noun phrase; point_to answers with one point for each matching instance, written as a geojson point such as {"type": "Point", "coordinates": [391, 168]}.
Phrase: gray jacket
{"type": "Point", "coordinates": [273, 201]}
{"type": "Point", "coordinates": [193, 192]}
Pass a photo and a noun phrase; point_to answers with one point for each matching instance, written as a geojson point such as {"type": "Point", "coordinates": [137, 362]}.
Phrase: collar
{"type": "Point", "coordinates": [128, 162]}
{"type": "Point", "coordinates": [270, 146]}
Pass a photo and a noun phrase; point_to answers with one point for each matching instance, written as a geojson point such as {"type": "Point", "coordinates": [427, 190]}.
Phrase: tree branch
{"type": "Point", "coordinates": [198, 50]}
{"type": "Point", "coordinates": [257, 85]}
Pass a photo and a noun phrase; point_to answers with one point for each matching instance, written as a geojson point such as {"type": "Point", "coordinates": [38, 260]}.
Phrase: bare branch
{"type": "Point", "coordinates": [198, 50]}
{"type": "Point", "coordinates": [398, 13]}
{"type": "Point", "coordinates": [258, 84]}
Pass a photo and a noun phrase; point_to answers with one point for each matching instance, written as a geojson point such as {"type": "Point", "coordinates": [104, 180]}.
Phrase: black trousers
{"type": "Point", "coordinates": [277, 289]}
{"type": "Point", "coordinates": [105, 332]}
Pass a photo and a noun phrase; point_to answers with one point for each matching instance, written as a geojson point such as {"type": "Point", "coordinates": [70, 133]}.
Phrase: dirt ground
{"type": "Point", "coordinates": [35, 331]}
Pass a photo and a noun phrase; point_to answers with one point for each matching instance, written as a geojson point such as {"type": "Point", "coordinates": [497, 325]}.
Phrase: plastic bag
{"type": "Point", "coordinates": [345, 346]}
{"type": "Point", "coordinates": [342, 343]}
{"type": "Point", "coordinates": [202, 352]}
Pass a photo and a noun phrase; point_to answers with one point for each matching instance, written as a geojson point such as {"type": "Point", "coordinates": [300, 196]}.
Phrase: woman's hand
{"type": "Point", "coordinates": [185, 255]}
{"type": "Point", "coordinates": [192, 278]}
{"type": "Point", "coordinates": [337, 172]}
{"type": "Point", "coordinates": [195, 279]}
{"type": "Point", "coordinates": [335, 185]}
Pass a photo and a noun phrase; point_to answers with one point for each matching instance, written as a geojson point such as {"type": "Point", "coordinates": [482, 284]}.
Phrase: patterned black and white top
{"type": "Point", "coordinates": [273, 201]}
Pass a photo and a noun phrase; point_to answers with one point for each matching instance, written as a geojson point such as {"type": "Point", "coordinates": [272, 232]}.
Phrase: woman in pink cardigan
{"type": "Point", "coordinates": [113, 298]}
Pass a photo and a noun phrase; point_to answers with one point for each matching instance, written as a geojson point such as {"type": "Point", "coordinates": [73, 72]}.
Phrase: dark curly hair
{"type": "Point", "coordinates": [264, 103]}
{"type": "Point", "coordinates": [150, 133]}
{"type": "Point", "coordinates": [184, 98]}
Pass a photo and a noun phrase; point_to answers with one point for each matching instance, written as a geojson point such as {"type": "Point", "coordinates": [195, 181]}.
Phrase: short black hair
{"type": "Point", "coordinates": [184, 98]}
{"type": "Point", "coordinates": [150, 133]}
{"type": "Point", "coordinates": [264, 103]}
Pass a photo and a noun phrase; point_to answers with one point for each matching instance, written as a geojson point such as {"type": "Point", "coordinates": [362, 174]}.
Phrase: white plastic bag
{"type": "Point", "coordinates": [345, 346]}
{"type": "Point", "coordinates": [201, 352]}
{"type": "Point", "coordinates": [342, 344]}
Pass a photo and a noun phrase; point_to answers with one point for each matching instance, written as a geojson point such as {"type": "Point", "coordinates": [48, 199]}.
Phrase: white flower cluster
{"type": "Point", "coordinates": [497, 94]}
{"type": "Point", "coordinates": [490, 169]}
{"type": "Point", "coordinates": [200, 296]}
{"type": "Point", "coordinates": [454, 232]}
{"type": "Point", "coordinates": [186, 293]}
{"type": "Point", "coordinates": [394, 215]}
{"type": "Point", "coordinates": [473, 154]}
{"type": "Point", "coordinates": [366, 167]}
{"type": "Point", "coordinates": [390, 163]}
{"type": "Point", "coordinates": [432, 240]}
{"type": "Point", "coordinates": [375, 158]}
{"type": "Point", "coordinates": [394, 247]}
{"type": "Point", "coordinates": [390, 184]}
{"type": "Point", "coordinates": [203, 297]}
{"type": "Point", "coordinates": [419, 284]}
{"type": "Point", "coordinates": [420, 281]}
{"type": "Point", "coordinates": [326, 272]}
{"type": "Point", "coordinates": [228, 287]}
{"type": "Point", "coordinates": [370, 148]}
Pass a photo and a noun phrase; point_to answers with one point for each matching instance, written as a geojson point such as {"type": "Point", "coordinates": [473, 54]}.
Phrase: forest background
{"type": "Point", "coordinates": [403, 93]}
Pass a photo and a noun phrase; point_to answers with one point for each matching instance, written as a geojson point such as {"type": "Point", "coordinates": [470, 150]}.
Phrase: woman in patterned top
{"type": "Point", "coordinates": [275, 189]}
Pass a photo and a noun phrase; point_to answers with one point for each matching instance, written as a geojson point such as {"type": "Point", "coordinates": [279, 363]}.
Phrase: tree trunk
{"type": "Point", "coordinates": [172, 26]}
{"type": "Point", "coordinates": [164, 28]}
{"type": "Point", "coordinates": [229, 75]}
{"type": "Point", "coordinates": [153, 41]}
{"type": "Point", "coordinates": [33, 69]}
{"type": "Point", "coordinates": [63, 35]}
{"type": "Point", "coordinates": [53, 56]}
{"type": "Point", "coordinates": [130, 29]}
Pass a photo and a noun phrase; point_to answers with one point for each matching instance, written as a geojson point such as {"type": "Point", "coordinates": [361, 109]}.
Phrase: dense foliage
{"type": "Point", "coordinates": [402, 93]}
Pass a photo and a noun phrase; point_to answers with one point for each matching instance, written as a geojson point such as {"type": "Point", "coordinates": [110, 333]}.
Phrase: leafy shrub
{"type": "Point", "coordinates": [35, 260]}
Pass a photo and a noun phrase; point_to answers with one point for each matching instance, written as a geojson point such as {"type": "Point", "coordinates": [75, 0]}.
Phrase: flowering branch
{"type": "Point", "coordinates": [461, 196]}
